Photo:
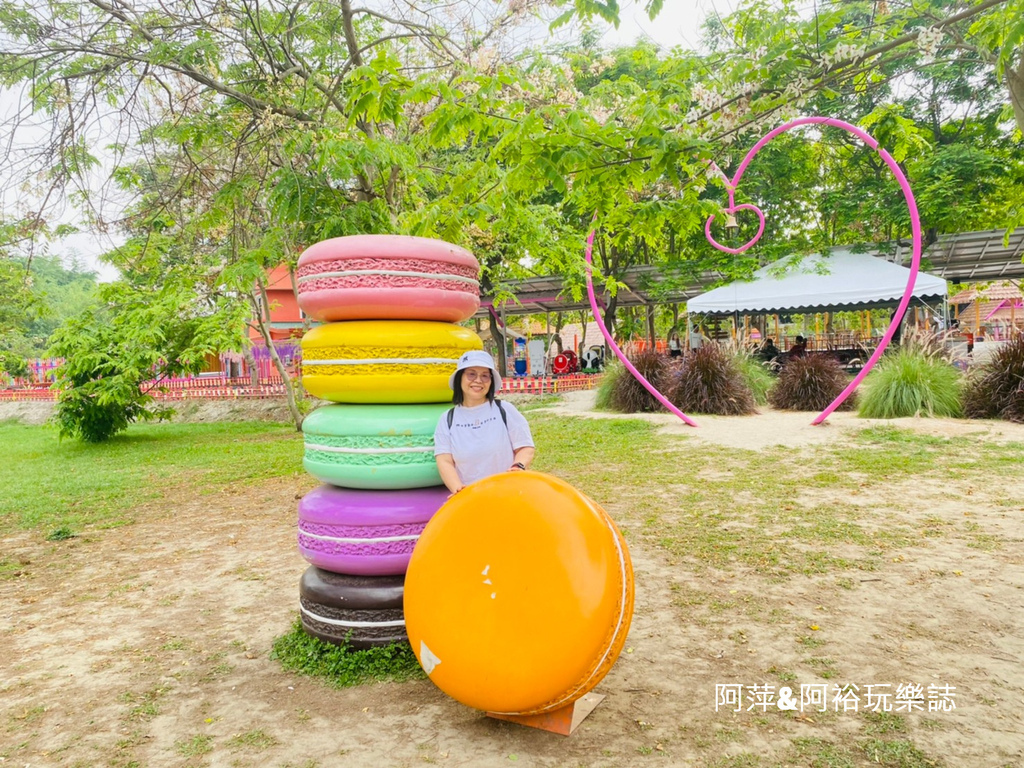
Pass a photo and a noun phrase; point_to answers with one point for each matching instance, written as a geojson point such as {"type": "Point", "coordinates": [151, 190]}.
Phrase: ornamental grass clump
{"type": "Point", "coordinates": [612, 371]}
{"type": "Point", "coordinates": [758, 377]}
{"type": "Point", "coordinates": [809, 383]}
{"type": "Point", "coordinates": [709, 380]}
{"type": "Point", "coordinates": [911, 381]}
{"type": "Point", "coordinates": [995, 390]}
{"type": "Point", "coordinates": [620, 391]}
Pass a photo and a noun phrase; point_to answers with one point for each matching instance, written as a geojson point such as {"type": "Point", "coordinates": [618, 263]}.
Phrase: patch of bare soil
{"type": "Point", "coordinates": [149, 645]}
{"type": "Point", "coordinates": [188, 411]}
{"type": "Point", "coordinates": [32, 412]}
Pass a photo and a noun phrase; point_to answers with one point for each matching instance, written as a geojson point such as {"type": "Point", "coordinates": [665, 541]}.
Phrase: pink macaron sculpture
{"type": "Point", "coordinates": [388, 277]}
{"type": "Point", "coordinates": [357, 531]}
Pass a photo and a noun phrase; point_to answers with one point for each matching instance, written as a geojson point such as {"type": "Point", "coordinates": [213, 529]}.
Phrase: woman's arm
{"type": "Point", "coordinates": [449, 474]}
{"type": "Point", "coordinates": [522, 456]}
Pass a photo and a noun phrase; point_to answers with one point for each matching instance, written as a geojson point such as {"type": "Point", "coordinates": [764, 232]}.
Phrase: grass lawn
{"type": "Point", "coordinates": [53, 485]}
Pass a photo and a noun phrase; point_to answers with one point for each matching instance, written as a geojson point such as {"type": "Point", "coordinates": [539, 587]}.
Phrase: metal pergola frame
{"type": "Point", "coordinates": [975, 257]}
{"type": "Point", "coordinates": [537, 295]}
{"type": "Point", "coordinates": [964, 257]}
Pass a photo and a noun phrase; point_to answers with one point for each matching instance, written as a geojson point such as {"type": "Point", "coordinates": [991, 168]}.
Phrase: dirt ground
{"type": "Point", "coordinates": [149, 644]}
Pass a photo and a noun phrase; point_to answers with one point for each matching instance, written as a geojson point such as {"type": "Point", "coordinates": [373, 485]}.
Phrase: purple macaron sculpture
{"type": "Point", "coordinates": [363, 532]}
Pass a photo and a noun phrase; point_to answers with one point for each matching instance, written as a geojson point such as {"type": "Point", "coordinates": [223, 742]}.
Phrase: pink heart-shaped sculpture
{"type": "Point", "coordinates": [915, 264]}
{"type": "Point", "coordinates": [728, 212]}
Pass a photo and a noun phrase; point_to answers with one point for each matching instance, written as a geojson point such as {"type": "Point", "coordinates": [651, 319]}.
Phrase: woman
{"type": "Point", "coordinates": [675, 349]}
{"type": "Point", "coordinates": [800, 348]}
{"type": "Point", "coordinates": [480, 436]}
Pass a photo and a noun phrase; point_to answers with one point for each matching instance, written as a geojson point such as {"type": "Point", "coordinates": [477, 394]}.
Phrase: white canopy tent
{"type": "Point", "coordinates": [841, 281]}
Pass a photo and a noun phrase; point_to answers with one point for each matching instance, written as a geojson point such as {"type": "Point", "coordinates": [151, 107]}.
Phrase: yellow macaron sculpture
{"type": "Point", "coordinates": [383, 361]}
{"type": "Point", "coordinates": [519, 595]}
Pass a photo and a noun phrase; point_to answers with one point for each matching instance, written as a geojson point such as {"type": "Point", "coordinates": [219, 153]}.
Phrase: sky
{"type": "Point", "coordinates": [678, 24]}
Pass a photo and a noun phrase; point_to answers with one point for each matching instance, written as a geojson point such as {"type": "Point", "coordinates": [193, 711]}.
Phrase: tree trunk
{"type": "Point", "coordinates": [609, 322]}
{"type": "Point", "coordinates": [306, 325]}
{"type": "Point", "coordinates": [264, 327]}
{"type": "Point", "coordinates": [498, 335]}
{"type": "Point", "coordinates": [250, 360]}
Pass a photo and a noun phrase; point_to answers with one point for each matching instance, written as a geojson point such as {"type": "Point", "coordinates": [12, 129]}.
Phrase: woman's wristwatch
{"type": "Point", "coordinates": [520, 465]}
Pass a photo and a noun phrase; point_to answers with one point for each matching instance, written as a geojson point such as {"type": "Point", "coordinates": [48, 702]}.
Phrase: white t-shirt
{"type": "Point", "coordinates": [478, 440]}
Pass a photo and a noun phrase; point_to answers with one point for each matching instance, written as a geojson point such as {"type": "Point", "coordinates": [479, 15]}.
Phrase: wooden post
{"type": "Point", "coordinates": [777, 339]}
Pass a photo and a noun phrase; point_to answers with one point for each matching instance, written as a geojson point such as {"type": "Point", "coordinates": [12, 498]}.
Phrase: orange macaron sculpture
{"type": "Point", "coordinates": [519, 595]}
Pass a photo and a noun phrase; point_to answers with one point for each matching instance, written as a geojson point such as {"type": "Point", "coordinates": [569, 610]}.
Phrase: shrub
{"type": "Point", "coordinates": [620, 391]}
{"type": "Point", "coordinates": [709, 380]}
{"type": "Point", "coordinates": [809, 383]}
{"type": "Point", "coordinates": [603, 402]}
{"type": "Point", "coordinates": [996, 389]}
{"type": "Point", "coordinates": [102, 381]}
{"type": "Point", "coordinates": [758, 377]}
{"type": "Point", "coordinates": [115, 351]}
{"type": "Point", "coordinates": [911, 381]}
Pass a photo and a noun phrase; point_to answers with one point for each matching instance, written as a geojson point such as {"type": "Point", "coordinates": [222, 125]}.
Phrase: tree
{"type": "Point", "coordinates": [248, 132]}
{"type": "Point", "coordinates": [245, 131]}
{"type": "Point", "coordinates": [116, 354]}
{"type": "Point", "coordinates": [20, 306]}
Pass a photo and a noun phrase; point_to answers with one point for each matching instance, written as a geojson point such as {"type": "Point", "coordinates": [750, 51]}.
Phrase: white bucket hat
{"type": "Point", "coordinates": [476, 358]}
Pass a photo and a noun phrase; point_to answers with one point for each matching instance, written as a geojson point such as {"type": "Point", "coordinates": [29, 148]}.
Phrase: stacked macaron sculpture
{"type": "Point", "coordinates": [389, 305]}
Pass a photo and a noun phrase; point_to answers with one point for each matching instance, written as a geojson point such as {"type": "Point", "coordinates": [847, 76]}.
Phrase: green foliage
{"type": "Point", "coordinates": [42, 294]}
{"type": "Point", "coordinates": [758, 377]}
{"type": "Point", "coordinates": [995, 390]}
{"type": "Point", "coordinates": [910, 381]}
{"type": "Point", "coordinates": [341, 666]}
{"type": "Point", "coordinates": [810, 383]}
{"type": "Point", "coordinates": [114, 355]}
{"type": "Point", "coordinates": [710, 380]}
{"type": "Point", "coordinates": [18, 309]}
{"type": "Point", "coordinates": [511, 151]}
